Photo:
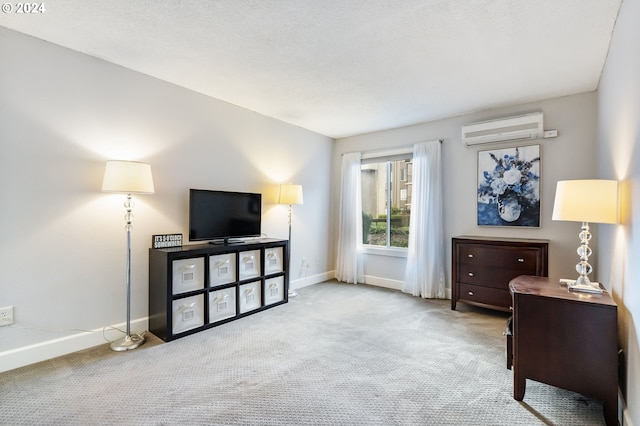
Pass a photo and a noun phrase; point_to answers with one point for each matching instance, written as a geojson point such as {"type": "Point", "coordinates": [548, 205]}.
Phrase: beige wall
{"type": "Point", "coordinates": [62, 115]}
{"type": "Point", "coordinates": [619, 158]}
{"type": "Point", "coordinates": [572, 155]}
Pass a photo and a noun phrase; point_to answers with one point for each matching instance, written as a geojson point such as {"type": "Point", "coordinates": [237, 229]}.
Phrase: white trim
{"type": "Point", "coordinates": [387, 152]}
{"type": "Point", "coordinates": [313, 279]}
{"type": "Point", "coordinates": [26, 355]}
{"type": "Point", "coordinates": [384, 251]}
{"type": "Point", "coordinates": [393, 284]}
{"type": "Point", "coordinates": [624, 418]}
{"type": "Point", "coordinates": [383, 282]}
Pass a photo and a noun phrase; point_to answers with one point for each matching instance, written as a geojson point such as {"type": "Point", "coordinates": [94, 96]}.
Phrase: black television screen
{"type": "Point", "coordinates": [221, 215]}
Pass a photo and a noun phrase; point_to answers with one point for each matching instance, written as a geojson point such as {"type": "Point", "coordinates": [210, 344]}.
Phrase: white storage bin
{"type": "Point", "coordinates": [273, 260]}
{"type": "Point", "coordinates": [188, 313]}
{"type": "Point", "coordinates": [249, 262]}
{"type": "Point", "coordinates": [222, 269]}
{"type": "Point", "coordinates": [273, 290]}
{"type": "Point", "coordinates": [250, 296]}
{"type": "Point", "coordinates": [188, 275]}
{"type": "Point", "coordinates": [222, 304]}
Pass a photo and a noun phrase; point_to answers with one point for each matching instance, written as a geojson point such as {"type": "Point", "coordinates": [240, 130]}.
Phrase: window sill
{"type": "Point", "coordinates": [384, 251]}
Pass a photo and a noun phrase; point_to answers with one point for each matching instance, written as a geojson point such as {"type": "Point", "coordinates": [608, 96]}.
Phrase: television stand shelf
{"type": "Point", "coordinates": [196, 287]}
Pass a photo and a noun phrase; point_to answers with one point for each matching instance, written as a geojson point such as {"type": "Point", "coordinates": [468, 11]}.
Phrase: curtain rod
{"type": "Point", "coordinates": [390, 149]}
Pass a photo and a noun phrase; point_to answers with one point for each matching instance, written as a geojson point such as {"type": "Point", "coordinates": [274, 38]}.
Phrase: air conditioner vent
{"type": "Point", "coordinates": [528, 126]}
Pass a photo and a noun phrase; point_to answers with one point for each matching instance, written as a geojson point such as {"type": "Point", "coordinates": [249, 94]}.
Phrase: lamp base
{"type": "Point", "coordinates": [575, 285]}
{"type": "Point", "coordinates": [128, 342]}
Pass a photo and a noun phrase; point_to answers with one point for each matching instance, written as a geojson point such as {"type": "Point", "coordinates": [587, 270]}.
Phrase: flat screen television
{"type": "Point", "coordinates": [221, 216]}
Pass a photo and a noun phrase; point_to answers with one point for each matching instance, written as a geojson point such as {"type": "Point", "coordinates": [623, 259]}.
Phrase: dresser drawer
{"type": "Point", "coordinates": [485, 296]}
{"type": "Point", "coordinates": [490, 276]}
{"type": "Point", "coordinates": [516, 258]}
{"type": "Point", "coordinates": [188, 275]}
{"type": "Point", "coordinates": [482, 267]}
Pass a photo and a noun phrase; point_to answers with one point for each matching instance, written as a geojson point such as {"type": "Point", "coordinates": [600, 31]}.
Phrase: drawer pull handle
{"type": "Point", "coordinates": [470, 293]}
{"type": "Point", "coordinates": [221, 297]}
{"type": "Point", "coordinates": [221, 262]}
{"type": "Point", "coordinates": [470, 274]}
{"type": "Point", "coordinates": [521, 260]}
{"type": "Point", "coordinates": [469, 255]}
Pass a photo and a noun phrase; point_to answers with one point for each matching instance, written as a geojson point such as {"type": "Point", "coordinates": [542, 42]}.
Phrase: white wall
{"type": "Point", "coordinates": [619, 149]}
{"type": "Point", "coordinates": [62, 257]}
{"type": "Point", "coordinates": [572, 155]}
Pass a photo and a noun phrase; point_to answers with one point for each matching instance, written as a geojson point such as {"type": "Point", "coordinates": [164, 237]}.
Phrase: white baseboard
{"type": "Point", "coordinates": [20, 357]}
{"type": "Point", "coordinates": [312, 279]}
{"type": "Point", "coordinates": [383, 282]}
{"type": "Point", "coordinates": [393, 284]}
{"type": "Point", "coordinates": [624, 418]}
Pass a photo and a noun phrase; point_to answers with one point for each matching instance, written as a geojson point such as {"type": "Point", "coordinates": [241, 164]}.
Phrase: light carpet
{"type": "Point", "coordinates": [338, 354]}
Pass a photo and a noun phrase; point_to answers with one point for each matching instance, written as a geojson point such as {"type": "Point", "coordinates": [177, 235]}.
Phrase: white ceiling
{"type": "Point", "coordinates": [345, 67]}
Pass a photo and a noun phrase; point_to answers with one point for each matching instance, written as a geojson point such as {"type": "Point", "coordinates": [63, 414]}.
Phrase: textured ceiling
{"type": "Point", "coordinates": [345, 67]}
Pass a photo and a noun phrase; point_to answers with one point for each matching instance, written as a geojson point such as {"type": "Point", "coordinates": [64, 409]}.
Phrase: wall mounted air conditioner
{"type": "Point", "coordinates": [527, 126]}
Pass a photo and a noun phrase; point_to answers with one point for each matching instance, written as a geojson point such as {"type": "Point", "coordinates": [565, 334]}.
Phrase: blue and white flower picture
{"type": "Point", "coordinates": [509, 187]}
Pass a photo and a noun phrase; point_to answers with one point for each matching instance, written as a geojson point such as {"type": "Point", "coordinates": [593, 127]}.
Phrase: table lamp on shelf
{"type": "Point", "coordinates": [290, 194]}
{"type": "Point", "coordinates": [585, 201]}
{"type": "Point", "coordinates": [128, 177]}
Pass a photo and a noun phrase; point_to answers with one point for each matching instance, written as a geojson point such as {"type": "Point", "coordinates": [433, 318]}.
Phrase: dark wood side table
{"type": "Point", "coordinates": [564, 339]}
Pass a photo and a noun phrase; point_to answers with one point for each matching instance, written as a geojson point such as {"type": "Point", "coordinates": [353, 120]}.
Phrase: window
{"type": "Point", "coordinates": [386, 200]}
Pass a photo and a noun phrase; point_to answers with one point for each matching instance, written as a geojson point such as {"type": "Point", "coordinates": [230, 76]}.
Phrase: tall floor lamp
{"type": "Point", "coordinates": [585, 201]}
{"type": "Point", "coordinates": [290, 194]}
{"type": "Point", "coordinates": [128, 177]}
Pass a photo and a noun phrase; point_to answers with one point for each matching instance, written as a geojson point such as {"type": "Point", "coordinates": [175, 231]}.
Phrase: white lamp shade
{"type": "Point", "coordinates": [593, 200]}
{"type": "Point", "coordinates": [128, 177]}
{"type": "Point", "coordinates": [290, 194]}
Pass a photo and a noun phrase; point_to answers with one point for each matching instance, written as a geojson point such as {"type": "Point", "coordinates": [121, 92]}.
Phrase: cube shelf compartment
{"type": "Point", "coordinates": [196, 287]}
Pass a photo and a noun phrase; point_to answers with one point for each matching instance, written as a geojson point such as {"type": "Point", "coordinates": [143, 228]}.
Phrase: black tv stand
{"type": "Point", "coordinates": [195, 287]}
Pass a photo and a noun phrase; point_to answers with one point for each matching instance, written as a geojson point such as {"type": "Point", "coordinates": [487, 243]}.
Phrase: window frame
{"type": "Point", "coordinates": [388, 156]}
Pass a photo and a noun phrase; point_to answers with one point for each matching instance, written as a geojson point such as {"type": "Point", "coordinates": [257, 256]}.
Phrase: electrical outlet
{"type": "Point", "coordinates": [6, 316]}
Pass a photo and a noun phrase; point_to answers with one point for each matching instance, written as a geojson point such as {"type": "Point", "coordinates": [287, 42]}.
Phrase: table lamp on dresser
{"type": "Point", "coordinates": [586, 201]}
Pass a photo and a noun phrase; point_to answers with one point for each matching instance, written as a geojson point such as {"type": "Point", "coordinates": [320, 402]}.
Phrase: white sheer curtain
{"type": "Point", "coordinates": [424, 275]}
{"type": "Point", "coordinates": [349, 262]}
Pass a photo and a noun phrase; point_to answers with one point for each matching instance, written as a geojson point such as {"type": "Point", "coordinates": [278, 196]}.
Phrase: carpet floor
{"type": "Point", "coordinates": [337, 354]}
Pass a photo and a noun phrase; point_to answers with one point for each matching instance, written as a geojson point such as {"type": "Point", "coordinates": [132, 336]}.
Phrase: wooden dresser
{"type": "Point", "coordinates": [565, 339]}
{"type": "Point", "coordinates": [482, 267]}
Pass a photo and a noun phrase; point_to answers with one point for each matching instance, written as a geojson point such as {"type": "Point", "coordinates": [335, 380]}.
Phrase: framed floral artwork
{"type": "Point", "coordinates": [509, 187]}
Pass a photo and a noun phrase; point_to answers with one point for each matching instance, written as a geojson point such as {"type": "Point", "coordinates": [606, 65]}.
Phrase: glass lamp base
{"type": "Point", "coordinates": [584, 285]}
{"type": "Point", "coordinates": [127, 343]}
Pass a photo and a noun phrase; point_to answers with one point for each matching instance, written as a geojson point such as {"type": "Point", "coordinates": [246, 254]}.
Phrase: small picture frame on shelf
{"type": "Point", "coordinates": [166, 240]}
